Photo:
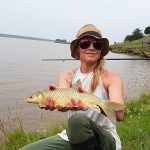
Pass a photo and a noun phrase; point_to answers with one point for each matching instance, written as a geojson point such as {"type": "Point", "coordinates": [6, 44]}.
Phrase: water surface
{"type": "Point", "coordinates": [22, 73]}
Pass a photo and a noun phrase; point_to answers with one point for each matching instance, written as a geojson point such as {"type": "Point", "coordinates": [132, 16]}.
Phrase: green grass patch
{"type": "Point", "coordinates": [19, 138]}
{"type": "Point", "coordinates": [134, 131]}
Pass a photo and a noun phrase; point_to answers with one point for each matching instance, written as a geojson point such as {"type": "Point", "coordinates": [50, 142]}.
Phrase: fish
{"type": "Point", "coordinates": [63, 96]}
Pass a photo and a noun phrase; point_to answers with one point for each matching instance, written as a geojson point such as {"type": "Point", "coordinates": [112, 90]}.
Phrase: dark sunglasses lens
{"type": "Point", "coordinates": [84, 43]}
{"type": "Point", "coordinates": [98, 45]}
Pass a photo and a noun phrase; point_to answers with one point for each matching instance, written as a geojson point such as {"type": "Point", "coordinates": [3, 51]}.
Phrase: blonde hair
{"type": "Point", "coordinates": [96, 77]}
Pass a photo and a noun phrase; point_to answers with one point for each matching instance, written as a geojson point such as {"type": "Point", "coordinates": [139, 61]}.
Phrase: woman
{"type": "Point", "coordinates": [87, 129]}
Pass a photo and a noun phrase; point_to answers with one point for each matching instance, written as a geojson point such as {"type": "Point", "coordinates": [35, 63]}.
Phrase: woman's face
{"type": "Point", "coordinates": [88, 53]}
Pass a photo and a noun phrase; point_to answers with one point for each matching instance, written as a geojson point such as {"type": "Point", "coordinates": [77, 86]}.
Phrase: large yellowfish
{"type": "Point", "coordinates": [63, 96]}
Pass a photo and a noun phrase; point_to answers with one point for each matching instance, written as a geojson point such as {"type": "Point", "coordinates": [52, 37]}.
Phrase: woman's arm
{"type": "Point", "coordinates": [65, 79]}
{"type": "Point", "coordinates": [115, 90]}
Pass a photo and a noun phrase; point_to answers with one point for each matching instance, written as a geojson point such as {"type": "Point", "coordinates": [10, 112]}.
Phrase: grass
{"type": "Point", "coordinates": [18, 138]}
{"type": "Point", "coordinates": [134, 131]}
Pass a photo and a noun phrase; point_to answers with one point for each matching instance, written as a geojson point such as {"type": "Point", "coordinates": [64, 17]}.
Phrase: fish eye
{"type": "Point", "coordinates": [33, 96]}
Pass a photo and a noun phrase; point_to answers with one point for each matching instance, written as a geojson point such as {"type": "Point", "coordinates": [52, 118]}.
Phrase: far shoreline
{"type": "Point", "coordinates": [139, 47]}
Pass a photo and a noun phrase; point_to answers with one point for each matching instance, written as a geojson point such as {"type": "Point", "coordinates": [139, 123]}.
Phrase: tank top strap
{"type": "Point", "coordinates": [73, 78]}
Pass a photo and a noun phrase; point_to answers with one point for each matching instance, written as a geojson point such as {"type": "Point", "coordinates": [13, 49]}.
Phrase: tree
{"type": "Point", "coordinates": [129, 38]}
{"type": "Point", "coordinates": [136, 34]}
{"type": "Point", "coordinates": [147, 30]}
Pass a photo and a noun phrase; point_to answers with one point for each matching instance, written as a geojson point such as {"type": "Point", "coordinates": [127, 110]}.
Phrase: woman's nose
{"type": "Point", "coordinates": [91, 46]}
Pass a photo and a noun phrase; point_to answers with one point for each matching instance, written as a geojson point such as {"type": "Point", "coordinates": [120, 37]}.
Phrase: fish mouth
{"type": "Point", "coordinates": [28, 100]}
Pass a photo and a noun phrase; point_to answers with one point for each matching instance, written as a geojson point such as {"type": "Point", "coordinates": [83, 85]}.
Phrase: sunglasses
{"type": "Point", "coordinates": [84, 43]}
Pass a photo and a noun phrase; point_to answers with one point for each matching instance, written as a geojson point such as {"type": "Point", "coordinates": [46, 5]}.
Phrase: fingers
{"type": "Point", "coordinates": [82, 106]}
{"type": "Point", "coordinates": [74, 103]}
{"type": "Point", "coordinates": [78, 105]}
{"type": "Point", "coordinates": [50, 104]}
{"type": "Point", "coordinates": [68, 106]}
{"type": "Point", "coordinates": [80, 89]}
{"type": "Point", "coordinates": [52, 87]}
{"type": "Point", "coordinates": [62, 109]}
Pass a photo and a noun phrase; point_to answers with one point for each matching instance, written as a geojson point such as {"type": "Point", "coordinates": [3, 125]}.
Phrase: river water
{"type": "Point", "coordinates": [22, 73]}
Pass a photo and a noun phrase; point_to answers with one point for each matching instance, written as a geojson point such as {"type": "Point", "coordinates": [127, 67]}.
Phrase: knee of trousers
{"type": "Point", "coordinates": [78, 128]}
{"type": "Point", "coordinates": [77, 121]}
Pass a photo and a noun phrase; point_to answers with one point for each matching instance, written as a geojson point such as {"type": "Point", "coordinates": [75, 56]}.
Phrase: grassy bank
{"type": "Point", "coordinates": [134, 47]}
{"type": "Point", "coordinates": [134, 131]}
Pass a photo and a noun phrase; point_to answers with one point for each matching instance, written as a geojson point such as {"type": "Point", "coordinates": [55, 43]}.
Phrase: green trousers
{"type": "Point", "coordinates": [83, 134]}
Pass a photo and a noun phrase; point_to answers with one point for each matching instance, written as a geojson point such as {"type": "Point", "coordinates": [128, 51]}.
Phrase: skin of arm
{"type": "Point", "coordinates": [114, 85]}
{"type": "Point", "coordinates": [65, 79]}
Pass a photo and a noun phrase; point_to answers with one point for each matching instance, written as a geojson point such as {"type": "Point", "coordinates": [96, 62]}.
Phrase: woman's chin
{"type": "Point", "coordinates": [91, 60]}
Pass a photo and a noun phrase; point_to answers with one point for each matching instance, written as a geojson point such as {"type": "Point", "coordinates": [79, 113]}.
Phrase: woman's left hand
{"type": "Point", "coordinates": [78, 105]}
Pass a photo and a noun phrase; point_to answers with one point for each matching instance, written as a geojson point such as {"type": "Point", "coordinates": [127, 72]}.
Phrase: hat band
{"type": "Point", "coordinates": [90, 33]}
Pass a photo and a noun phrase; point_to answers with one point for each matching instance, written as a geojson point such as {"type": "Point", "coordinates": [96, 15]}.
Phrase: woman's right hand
{"type": "Point", "coordinates": [72, 105]}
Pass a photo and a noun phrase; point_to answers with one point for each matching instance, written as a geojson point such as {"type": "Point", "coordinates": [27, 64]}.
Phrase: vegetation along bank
{"type": "Point", "coordinates": [137, 43]}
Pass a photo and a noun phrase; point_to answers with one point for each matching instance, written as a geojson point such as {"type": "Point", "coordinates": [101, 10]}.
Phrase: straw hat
{"type": "Point", "coordinates": [91, 31]}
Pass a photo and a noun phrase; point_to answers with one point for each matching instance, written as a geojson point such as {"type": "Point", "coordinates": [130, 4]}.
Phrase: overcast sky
{"type": "Point", "coordinates": [62, 18]}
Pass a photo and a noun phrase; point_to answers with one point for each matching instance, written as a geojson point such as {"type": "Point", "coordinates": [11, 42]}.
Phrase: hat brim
{"type": "Point", "coordinates": [74, 46]}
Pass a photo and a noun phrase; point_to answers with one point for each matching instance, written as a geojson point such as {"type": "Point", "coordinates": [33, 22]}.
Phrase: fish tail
{"type": "Point", "coordinates": [115, 106]}
{"type": "Point", "coordinates": [109, 109]}
{"type": "Point", "coordinates": [110, 113]}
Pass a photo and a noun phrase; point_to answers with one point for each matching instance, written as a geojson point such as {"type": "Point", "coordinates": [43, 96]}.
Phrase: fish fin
{"type": "Point", "coordinates": [78, 85]}
{"type": "Point", "coordinates": [37, 93]}
{"type": "Point", "coordinates": [95, 108]}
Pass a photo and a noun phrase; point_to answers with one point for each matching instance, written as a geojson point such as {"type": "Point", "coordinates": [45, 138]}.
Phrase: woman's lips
{"type": "Point", "coordinates": [91, 53]}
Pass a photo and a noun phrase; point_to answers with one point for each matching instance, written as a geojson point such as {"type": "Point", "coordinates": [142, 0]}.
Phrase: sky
{"type": "Point", "coordinates": [62, 19]}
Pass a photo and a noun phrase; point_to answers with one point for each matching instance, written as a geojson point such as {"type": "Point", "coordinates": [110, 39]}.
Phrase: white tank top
{"type": "Point", "coordinates": [99, 118]}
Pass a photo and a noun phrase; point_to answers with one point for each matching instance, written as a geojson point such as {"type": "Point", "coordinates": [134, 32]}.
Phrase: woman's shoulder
{"type": "Point", "coordinates": [109, 76]}
{"type": "Point", "coordinates": [67, 74]}
{"type": "Point", "coordinates": [110, 73]}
